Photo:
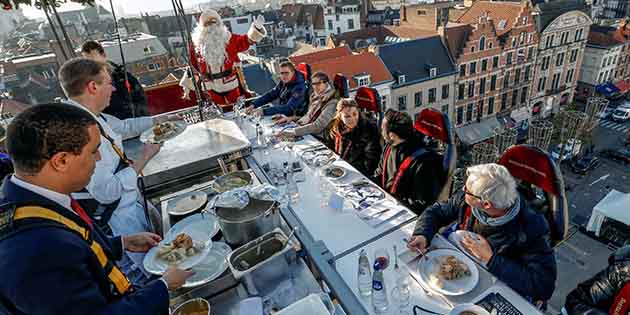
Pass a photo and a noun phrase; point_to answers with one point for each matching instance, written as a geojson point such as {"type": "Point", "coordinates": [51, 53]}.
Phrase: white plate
{"type": "Point", "coordinates": [204, 223]}
{"type": "Point", "coordinates": [211, 267]}
{"type": "Point", "coordinates": [326, 169]}
{"type": "Point", "coordinates": [148, 136]}
{"type": "Point", "coordinates": [158, 266]}
{"type": "Point", "coordinates": [468, 307]}
{"type": "Point", "coordinates": [427, 266]}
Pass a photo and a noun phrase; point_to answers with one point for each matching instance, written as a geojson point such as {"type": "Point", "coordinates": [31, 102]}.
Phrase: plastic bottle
{"type": "Point", "coordinates": [292, 188]}
{"type": "Point", "coordinates": [379, 292]}
{"type": "Point", "coordinates": [364, 278]}
{"type": "Point", "coordinates": [260, 139]}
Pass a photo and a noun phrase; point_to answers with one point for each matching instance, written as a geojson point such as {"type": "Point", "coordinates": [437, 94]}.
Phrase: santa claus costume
{"type": "Point", "coordinates": [215, 57]}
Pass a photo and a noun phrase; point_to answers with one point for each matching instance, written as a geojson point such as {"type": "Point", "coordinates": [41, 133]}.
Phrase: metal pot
{"type": "Point", "coordinates": [194, 306]}
{"type": "Point", "coordinates": [232, 180]}
{"type": "Point", "coordinates": [242, 225]}
{"type": "Point", "coordinates": [185, 205]}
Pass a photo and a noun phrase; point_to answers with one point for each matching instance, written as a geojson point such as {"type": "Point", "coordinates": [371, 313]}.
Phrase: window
{"type": "Point", "coordinates": [530, 37]}
{"type": "Point", "coordinates": [330, 25]}
{"type": "Point", "coordinates": [495, 62]}
{"type": "Point", "coordinates": [363, 80]}
{"type": "Point", "coordinates": [604, 61]}
{"type": "Point", "coordinates": [521, 38]}
{"type": "Point", "coordinates": [493, 82]}
{"type": "Point", "coordinates": [509, 58]}
{"type": "Point", "coordinates": [564, 38]}
{"type": "Point", "coordinates": [472, 49]}
{"type": "Point", "coordinates": [524, 95]}
{"type": "Point", "coordinates": [484, 65]}
{"type": "Point", "coordinates": [473, 67]}
{"type": "Point", "coordinates": [560, 59]}
{"type": "Point", "coordinates": [462, 70]}
{"type": "Point", "coordinates": [482, 86]}
{"type": "Point", "coordinates": [578, 34]}
{"type": "Point", "coordinates": [542, 82]}
{"type": "Point", "coordinates": [461, 91]}
{"type": "Point", "coordinates": [489, 45]}
{"type": "Point", "coordinates": [154, 66]}
{"type": "Point", "coordinates": [514, 97]}
{"type": "Point", "coordinates": [350, 24]}
{"type": "Point", "coordinates": [545, 63]}
{"type": "Point", "coordinates": [445, 109]}
{"type": "Point", "coordinates": [469, 111]}
{"type": "Point", "coordinates": [569, 76]}
{"type": "Point", "coordinates": [402, 102]}
{"type": "Point", "coordinates": [433, 72]}
{"type": "Point", "coordinates": [482, 43]}
{"type": "Point", "coordinates": [432, 95]}
{"type": "Point", "coordinates": [549, 41]}
{"type": "Point", "coordinates": [422, 12]}
{"type": "Point", "coordinates": [609, 61]}
{"type": "Point", "coordinates": [480, 110]}
{"type": "Point", "coordinates": [503, 101]}
{"type": "Point", "coordinates": [418, 99]}
{"type": "Point", "coordinates": [148, 50]}
{"type": "Point", "coordinates": [573, 56]}
{"type": "Point", "coordinates": [530, 53]}
{"type": "Point", "coordinates": [502, 24]}
{"type": "Point", "coordinates": [517, 76]}
{"type": "Point", "coordinates": [337, 17]}
{"type": "Point", "coordinates": [471, 88]}
{"type": "Point", "coordinates": [513, 42]}
{"type": "Point", "coordinates": [555, 82]}
{"type": "Point", "coordinates": [445, 90]}
{"type": "Point", "coordinates": [401, 79]}
{"type": "Point", "coordinates": [528, 70]}
{"type": "Point", "coordinates": [338, 30]}
{"type": "Point", "coordinates": [506, 80]}
{"type": "Point", "coordinates": [242, 21]}
{"type": "Point", "coordinates": [599, 78]}
{"type": "Point", "coordinates": [491, 105]}
{"type": "Point", "coordinates": [460, 115]}
{"type": "Point", "coordinates": [524, 20]}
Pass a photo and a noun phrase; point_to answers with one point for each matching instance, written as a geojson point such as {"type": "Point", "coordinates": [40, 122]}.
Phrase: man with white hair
{"type": "Point", "coordinates": [509, 238]}
{"type": "Point", "coordinates": [215, 57]}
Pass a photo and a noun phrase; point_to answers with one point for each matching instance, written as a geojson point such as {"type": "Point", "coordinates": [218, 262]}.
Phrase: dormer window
{"type": "Point", "coordinates": [401, 78]}
{"type": "Point", "coordinates": [363, 80]}
{"type": "Point", "coordinates": [433, 72]}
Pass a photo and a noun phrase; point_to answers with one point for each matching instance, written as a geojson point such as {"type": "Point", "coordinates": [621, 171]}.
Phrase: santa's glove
{"type": "Point", "coordinates": [259, 22]}
{"type": "Point", "coordinates": [257, 30]}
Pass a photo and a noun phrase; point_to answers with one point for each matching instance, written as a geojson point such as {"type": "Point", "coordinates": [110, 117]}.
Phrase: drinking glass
{"type": "Point", "coordinates": [381, 256]}
{"type": "Point", "coordinates": [400, 297]}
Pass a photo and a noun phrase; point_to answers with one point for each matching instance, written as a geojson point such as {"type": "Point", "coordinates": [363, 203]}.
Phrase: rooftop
{"type": "Point", "coordinates": [137, 47]}
{"type": "Point", "coordinates": [503, 14]}
{"type": "Point", "coordinates": [602, 36]}
{"type": "Point", "coordinates": [377, 35]}
{"type": "Point", "coordinates": [549, 11]}
{"type": "Point", "coordinates": [352, 66]}
{"type": "Point", "coordinates": [456, 35]}
{"type": "Point", "coordinates": [321, 55]}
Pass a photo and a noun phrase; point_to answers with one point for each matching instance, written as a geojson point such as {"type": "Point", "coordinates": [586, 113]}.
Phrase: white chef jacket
{"type": "Point", "coordinates": [106, 186]}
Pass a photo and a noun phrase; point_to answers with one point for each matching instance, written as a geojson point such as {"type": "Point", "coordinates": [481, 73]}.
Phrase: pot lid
{"type": "Point", "coordinates": [188, 203]}
{"type": "Point", "coordinates": [252, 210]}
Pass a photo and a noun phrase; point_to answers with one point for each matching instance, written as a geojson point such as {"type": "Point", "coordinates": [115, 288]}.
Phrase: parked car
{"type": "Point", "coordinates": [605, 113]}
{"type": "Point", "coordinates": [585, 164]}
{"type": "Point", "coordinates": [621, 114]}
{"type": "Point", "coordinates": [571, 148]}
{"type": "Point", "coordinates": [621, 154]}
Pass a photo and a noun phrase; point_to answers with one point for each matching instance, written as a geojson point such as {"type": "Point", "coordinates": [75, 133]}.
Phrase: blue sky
{"type": "Point", "coordinates": [128, 7]}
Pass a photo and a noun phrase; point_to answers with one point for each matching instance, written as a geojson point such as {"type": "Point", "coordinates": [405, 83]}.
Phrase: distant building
{"type": "Point", "coordinates": [387, 16]}
{"type": "Point", "coordinates": [377, 35]}
{"type": "Point", "coordinates": [342, 16]}
{"type": "Point", "coordinates": [431, 16]}
{"type": "Point", "coordinates": [32, 79]}
{"type": "Point", "coordinates": [424, 75]}
{"type": "Point", "coordinates": [303, 21]}
{"type": "Point", "coordinates": [609, 9]}
{"type": "Point", "coordinates": [324, 54]}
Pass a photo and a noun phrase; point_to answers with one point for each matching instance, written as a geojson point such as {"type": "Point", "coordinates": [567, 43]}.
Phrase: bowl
{"type": "Point", "coordinates": [193, 307]}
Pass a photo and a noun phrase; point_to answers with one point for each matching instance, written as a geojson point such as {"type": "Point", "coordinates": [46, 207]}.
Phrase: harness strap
{"type": "Point", "coordinates": [115, 276]}
{"type": "Point", "coordinates": [401, 170]}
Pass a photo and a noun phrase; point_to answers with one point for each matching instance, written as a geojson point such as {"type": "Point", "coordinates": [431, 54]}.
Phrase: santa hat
{"type": "Point", "coordinates": [207, 14]}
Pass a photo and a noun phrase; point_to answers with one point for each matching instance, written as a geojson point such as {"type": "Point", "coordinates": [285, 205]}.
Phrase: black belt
{"type": "Point", "coordinates": [220, 75]}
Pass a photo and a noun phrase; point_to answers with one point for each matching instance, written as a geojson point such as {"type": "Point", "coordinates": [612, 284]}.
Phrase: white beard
{"type": "Point", "coordinates": [210, 43]}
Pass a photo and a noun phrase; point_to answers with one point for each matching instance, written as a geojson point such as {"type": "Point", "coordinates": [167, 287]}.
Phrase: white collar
{"type": "Point", "coordinates": [61, 199]}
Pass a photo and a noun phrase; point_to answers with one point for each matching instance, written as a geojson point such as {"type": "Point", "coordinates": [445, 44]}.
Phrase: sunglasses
{"type": "Point", "coordinates": [470, 194]}
{"type": "Point", "coordinates": [285, 72]}
{"type": "Point", "coordinates": [317, 83]}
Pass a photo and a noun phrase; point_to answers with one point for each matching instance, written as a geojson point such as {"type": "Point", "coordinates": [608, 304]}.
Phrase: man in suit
{"type": "Point", "coordinates": [55, 260]}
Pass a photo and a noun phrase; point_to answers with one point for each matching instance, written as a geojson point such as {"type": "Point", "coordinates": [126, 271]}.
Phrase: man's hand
{"type": "Point", "coordinates": [141, 242]}
{"type": "Point", "coordinates": [149, 150]}
{"type": "Point", "coordinates": [418, 243]}
{"type": "Point", "coordinates": [164, 118]}
{"type": "Point", "coordinates": [175, 278]}
{"type": "Point", "coordinates": [282, 119]}
{"type": "Point", "coordinates": [478, 248]}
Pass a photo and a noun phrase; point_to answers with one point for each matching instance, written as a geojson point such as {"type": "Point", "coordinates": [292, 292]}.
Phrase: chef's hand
{"type": "Point", "coordinates": [175, 278]}
{"type": "Point", "coordinates": [164, 118]}
{"type": "Point", "coordinates": [141, 242]}
{"type": "Point", "coordinates": [418, 243]}
{"type": "Point", "coordinates": [478, 248]}
{"type": "Point", "coordinates": [150, 150]}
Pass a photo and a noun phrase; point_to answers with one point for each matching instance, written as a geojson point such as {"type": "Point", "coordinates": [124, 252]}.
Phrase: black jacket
{"type": "Point", "coordinates": [120, 105]}
{"type": "Point", "coordinates": [291, 97]}
{"type": "Point", "coordinates": [420, 185]}
{"type": "Point", "coordinates": [360, 147]}
{"type": "Point", "coordinates": [596, 295]}
{"type": "Point", "coordinates": [522, 254]}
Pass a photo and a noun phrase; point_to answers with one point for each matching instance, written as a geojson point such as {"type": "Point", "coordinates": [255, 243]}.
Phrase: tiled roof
{"type": "Point", "coordinates": [456, 36]}
{"type": "Point", "coordinates": [377, 35]}
{"type": "Point", "coordinates": [322, 55]}
{"type": "Point", "coordinates": [498, 11]}
{"type": "Point", "coordinates": [550, 10]}
{"type": "Point", "coordinates": [290, 13]}
{"type": "Point", "coordinates": [602, 36]}
{"type": "Point", "coordinates": [353, 65]}
{"type": "Point", "coordinates": [293, 14]}
{"type": "Point", "coordinates": [414, 58]}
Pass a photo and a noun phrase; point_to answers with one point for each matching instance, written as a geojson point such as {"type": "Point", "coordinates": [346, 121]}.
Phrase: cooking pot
{"type": "Point", "coordinates": [255, 218]}
{"type": "Point", "coordinates": [193, 307]}
{"type": "Point", "coordinates": [231, 181]}
{"type": "Point", "coordinates": [185, 205]}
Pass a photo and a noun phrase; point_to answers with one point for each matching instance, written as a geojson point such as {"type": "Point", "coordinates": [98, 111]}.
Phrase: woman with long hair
{"type": "Point", "coordinates": [354, 137]}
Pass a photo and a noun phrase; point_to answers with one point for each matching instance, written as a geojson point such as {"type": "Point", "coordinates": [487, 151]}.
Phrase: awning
{"type": "Point", "coordinates": [607, 89]}
{"type": "Point", "coordinates": [614, 206]}
{"type": "Point", "coordinates": [623, 86]}
{"type": "Point", "coordinates": [477, 132]}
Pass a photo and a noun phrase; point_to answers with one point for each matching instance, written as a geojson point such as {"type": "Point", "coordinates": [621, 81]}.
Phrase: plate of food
{"type": "Point", "coordinates": [163, 131]}
{"type": "Point", "coordinates": [210, 267]}
{"type": "Point", "coordinates": [201, 223]}
{"type": "Point", "coordinates": [468, 309]}
{"type": "Point", "coordinates": [184, 250]}
{"type": "Point", "coordinates": [334, 172]}
{"type": "Point", "coordinates": [448, 272]}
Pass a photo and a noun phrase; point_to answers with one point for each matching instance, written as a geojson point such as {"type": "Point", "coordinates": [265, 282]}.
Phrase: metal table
{"type": "Point", "coordinates": [194, 152]}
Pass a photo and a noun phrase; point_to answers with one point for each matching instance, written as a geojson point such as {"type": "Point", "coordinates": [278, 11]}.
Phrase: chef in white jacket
{"type": "Point", "coordinates": [113, 189]}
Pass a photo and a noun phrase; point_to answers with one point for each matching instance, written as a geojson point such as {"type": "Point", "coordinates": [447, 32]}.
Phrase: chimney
{"type": "Point", "coordinates": [468, 3]}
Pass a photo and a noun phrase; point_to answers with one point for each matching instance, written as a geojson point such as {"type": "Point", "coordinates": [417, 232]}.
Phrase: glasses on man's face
{"type": "Point", "coordinates": [470, 194]}
{"type": "Point", "coordinates": [285, 72]}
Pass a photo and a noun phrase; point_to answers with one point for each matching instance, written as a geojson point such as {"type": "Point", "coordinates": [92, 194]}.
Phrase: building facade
{"type": "Point", "coordinates": [601, 59]}
{"type": "Point", "coordinates": [563, 26]}
{"type": "Point", "coordinates": [341, 16]}
{"type": "Point", "coordinates": [424, 75]}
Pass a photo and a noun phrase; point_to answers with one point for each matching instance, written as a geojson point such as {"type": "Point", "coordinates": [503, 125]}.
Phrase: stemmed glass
{"type": "Point", "coordinates": [400, 293]}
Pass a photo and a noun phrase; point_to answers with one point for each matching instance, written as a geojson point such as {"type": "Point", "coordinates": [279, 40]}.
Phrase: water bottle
{"type": "Point", "coordinates": [292, 188]}
{"type": "Point", "coordinates": [260, 139]}
{"type": "Point", "coordinates": [379, 292]}
{"type": "Point", "coordinates": [324, 192]}
{"type": "Point", "coordinates": [364, 275]}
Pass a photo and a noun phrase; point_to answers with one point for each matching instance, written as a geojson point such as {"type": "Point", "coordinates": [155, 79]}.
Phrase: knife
{"type": "Point", "coordinates": [429, 293]}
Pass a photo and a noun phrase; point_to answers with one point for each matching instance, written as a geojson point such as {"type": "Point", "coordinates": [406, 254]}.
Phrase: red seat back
{"type": "Point", "coordinates": [368, 99]}
{"type": "Point", "coordinates": [534, 166]}
{"type": "Point", "coordinates": [340, 82]}
{"type": "Point", "coordinates": [305, 69]}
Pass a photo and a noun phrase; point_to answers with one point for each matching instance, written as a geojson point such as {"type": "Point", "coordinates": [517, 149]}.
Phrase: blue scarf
{"type": "Point", "coordinates": [484, 219]}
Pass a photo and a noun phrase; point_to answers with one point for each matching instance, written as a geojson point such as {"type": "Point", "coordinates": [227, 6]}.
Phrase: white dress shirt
{"type": "Point", "coordinates": [61, 199]}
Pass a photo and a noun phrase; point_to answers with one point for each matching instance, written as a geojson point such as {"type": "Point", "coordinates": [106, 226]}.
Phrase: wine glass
{"type": "Point", "coordinates": [381, 257]}
{"type": "Point", "coordinates": [401, 297]}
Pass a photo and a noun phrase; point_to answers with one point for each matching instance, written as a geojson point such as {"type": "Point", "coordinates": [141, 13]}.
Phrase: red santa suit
{"type": "Point", "coordinates": [223, 85]}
